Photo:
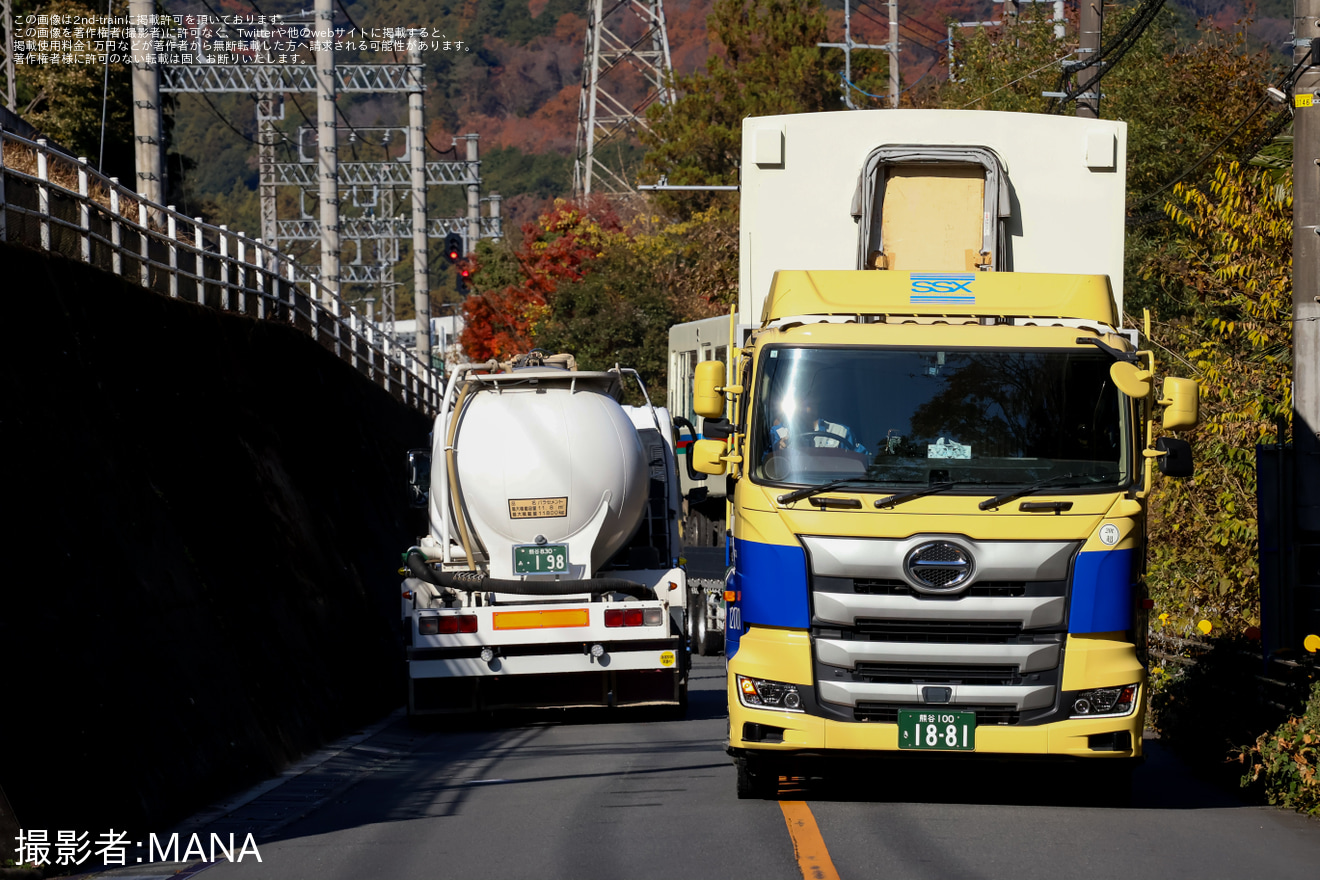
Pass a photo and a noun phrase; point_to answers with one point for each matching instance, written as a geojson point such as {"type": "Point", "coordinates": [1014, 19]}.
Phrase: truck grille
{"type": "Point", "coordinates": [891, 587]}
{"type": "Point", "coordinates": [948, 631]}
{"type": "Point", "coordinates": [887, 713]}
{"type": "Point", "coordinates": [919, 673]}
{"type": "Point", "coordinates": [879, 644]}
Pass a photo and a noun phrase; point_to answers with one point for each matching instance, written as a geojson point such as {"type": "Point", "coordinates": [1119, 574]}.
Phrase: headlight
{"type": "Point", "coordinates": [757, 693]}
{"type": "Point", "coordinates": [1105, 701]}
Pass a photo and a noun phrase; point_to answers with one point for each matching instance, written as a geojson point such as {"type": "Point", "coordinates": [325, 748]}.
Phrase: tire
{"type": "Point", "coordinates": [693, 608]}
{"type": "Point", "coordinates": [700, 638]}
{"type": "Point", "coordinates": [757, 779]}
{"type": "Point", "coordinates": [709, 640]}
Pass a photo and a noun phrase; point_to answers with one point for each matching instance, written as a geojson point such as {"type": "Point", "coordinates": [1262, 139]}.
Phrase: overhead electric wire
{"type": "Point", "coordinates": [225, 120]}
{"type": "Point", "coordinates": [1208, 154]}
{"type": "Point", "coordinates": [1018, 80]}
{"type": "Point", "coordinates": [1109, 54]}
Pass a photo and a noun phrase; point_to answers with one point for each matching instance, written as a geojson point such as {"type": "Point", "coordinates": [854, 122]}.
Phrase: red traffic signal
{"type": "Point", "coordinates": [453, 247]}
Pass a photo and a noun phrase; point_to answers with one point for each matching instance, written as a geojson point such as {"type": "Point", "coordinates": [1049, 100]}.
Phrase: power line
{"type": "Point", "coordinates": [1117, 47]}
{"type": "Point", "coordinates": [1206, 156]}
{"type": "Point", "coordinates": [1018, 80]}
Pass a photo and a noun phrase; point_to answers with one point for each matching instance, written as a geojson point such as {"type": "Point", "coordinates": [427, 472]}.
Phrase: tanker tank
{"type": "Point", "coordinates": [545, 456]}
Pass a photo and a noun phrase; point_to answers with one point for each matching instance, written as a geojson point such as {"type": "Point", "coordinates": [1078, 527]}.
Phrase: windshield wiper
{"type": "Point", "coordinates": [893, 500]}
{"type": "Point", "coordinates": [1037, 486]}
{"type": "Point", "coordinates": [808, 491]}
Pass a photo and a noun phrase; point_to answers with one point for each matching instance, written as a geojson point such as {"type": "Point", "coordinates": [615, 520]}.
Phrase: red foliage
{"type": "Point", "coordinates": [559, 247]}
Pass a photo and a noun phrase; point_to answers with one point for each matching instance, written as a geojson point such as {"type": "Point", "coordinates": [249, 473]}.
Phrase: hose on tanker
{"type": "Point", "coordinates": [451, 474]}
{"type": "Point", "coordinates": [477, 582]}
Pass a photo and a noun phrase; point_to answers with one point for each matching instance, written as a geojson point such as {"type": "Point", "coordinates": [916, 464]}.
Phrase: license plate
{"type": "Point", "coordinates": [540, 559]}
{"type": "Point", "coordinates": [939, 731]}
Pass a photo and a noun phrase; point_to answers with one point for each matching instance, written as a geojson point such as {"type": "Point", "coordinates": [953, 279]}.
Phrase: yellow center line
{"type": "Point", "coordinates": [808, 846]}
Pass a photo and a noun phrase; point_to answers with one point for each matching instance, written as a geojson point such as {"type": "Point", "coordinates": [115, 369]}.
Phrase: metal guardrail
{"type": "Point", "coordinates": [52, 202]}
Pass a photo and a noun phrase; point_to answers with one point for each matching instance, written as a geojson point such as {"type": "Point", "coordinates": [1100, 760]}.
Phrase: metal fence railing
{"type": "Point", "coordinates": [52, 202]}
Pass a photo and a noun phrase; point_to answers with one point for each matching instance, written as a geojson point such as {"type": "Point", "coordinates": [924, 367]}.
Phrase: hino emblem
{"type": "Point", "coordinates": [938, 567]}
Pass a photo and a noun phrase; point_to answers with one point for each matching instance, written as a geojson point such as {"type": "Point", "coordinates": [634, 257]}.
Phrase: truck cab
{"type": "Point", "coordinates": [940, 446]}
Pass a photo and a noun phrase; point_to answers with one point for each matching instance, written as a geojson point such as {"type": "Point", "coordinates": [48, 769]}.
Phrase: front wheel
{"type": "Point", "coordinates": [757, 779]}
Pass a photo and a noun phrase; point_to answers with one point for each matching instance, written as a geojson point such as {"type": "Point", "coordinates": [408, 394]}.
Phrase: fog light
{"type": "Point", "coordinates": [757, 693]}
{"type": "Point", "coordinates": [1105, 702]}
{"type": "Point", "coordinates": [487, 655]}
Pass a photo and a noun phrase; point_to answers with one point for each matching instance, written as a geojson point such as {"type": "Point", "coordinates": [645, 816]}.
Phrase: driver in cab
{"type": "Point", "coordinates": [798, 423]}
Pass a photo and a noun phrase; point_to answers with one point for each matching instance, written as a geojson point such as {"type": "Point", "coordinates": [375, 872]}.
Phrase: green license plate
{"type": "Point", "coordinates": [540, 559]}
{"type": "Point", "coordinates": [946, 731]}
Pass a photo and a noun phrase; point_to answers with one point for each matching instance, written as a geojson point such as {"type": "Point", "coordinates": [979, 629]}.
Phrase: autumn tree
{"type": "Point", "coordinates": [511, 289]}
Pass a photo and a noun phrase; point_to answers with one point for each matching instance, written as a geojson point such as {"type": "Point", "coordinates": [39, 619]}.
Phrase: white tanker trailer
{"type": "Point", "coordinates": [550, 574]}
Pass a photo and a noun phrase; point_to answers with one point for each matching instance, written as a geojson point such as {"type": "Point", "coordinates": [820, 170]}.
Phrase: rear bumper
{"type": "Point", "coordinates": [453, 695]}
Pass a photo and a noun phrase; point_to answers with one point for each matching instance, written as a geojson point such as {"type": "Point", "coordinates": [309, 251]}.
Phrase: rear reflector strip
{"type": "Point", "coordinates": [541, 619]}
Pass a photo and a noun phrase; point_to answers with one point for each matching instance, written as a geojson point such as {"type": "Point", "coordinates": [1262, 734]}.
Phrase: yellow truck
{"type": "Point", "coordinates": [940, 441]}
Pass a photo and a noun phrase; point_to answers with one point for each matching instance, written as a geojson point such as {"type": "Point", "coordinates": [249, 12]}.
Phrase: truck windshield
{"type": "Point", "coordinates": [972, 417]}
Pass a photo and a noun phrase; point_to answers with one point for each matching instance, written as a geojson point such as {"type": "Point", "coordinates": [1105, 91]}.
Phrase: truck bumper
{"type": "Point", "coordinates": [785, 656]}
{"type": "Point", "coordinates": [806, 735]}
{"type": "Point", "coordinates": [547, 675]}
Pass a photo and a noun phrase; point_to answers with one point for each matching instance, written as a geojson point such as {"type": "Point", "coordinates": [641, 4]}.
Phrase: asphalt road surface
{"type": "Point", "coordinates": [586, 795]}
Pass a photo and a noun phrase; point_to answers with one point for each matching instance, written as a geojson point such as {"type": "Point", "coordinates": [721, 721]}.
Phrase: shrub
{"type": "Point", "coordinates": [1284, 761]}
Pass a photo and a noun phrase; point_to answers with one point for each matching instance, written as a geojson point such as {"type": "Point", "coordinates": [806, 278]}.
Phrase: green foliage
{"type": "Point", "coordinates": [1236, 341]}
{"type": "Point", "coordinates": [65, 100]}
{"type": "Point", "coordinates": [770, 65]}
{"type": "Point", "coordinates": [1159, 88]}
{"type": "Point", "coordinates": [510, 170]}
{"type": "Point", "coordinates": [1284, 761]}
{"type": "Point", "coordinates": [614, 315]}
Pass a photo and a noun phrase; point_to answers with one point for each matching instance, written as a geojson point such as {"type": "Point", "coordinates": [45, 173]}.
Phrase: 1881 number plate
{"type": "Point", "coordinates": [930, 729]}
{"type": "Point", "coordinates": [540, 559]}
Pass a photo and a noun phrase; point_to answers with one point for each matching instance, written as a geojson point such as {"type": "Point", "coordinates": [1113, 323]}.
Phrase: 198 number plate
{"type": "Point", "coordinates": [930, 729]}
{"type": "Point", "coordinates": [540, 559]}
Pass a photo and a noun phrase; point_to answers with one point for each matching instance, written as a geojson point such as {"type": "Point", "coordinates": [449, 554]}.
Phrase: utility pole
{"type": "Point", "coordinates": [893, 53]}
{"type": "Point", "coordinates": [848, 46]}
{"type": "Point", "coordinates": [473, 193]}
{"type": "Point", "coordinates": [417, 161]}
{"type": "Point", "coordinates": [327, 141]}
{"type": "Point", "coordinates": [7, 22]}
{"type": "Point", "coordinates": [1306, 283]}
{"type": "Point", "coordinates": [266, 139]}
{"type": "Point", "coordinates": [146, 105]}
{"type": "Point", "coordinates": [1091, 24]}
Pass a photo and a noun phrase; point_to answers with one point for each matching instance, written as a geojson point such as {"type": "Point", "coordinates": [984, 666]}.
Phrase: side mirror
{"type": "Point", "coordinates": [1130, 379]}
{"type": "Point", "coordinates": [1177, 458]}
{"type": "Point", "coordinates": [707, 400]}
{"type": "Point", "coordinates": [419, 476]}
{"type": "Point", "coordinates": [707, 456]}
{"type": "Point", "coordinates": [1181, 403]}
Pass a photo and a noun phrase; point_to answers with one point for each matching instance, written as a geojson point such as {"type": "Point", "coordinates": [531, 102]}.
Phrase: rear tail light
{"type": "Point", "coordinates": [634, 616]}
{"type": "Point", "coordinates": [447, 625]}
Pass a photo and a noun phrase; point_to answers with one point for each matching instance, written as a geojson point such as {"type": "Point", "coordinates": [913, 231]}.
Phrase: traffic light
{"type": "Point", "coordinates": [464, 273]}
{"type": "Point", "coordinates": [453, 247]}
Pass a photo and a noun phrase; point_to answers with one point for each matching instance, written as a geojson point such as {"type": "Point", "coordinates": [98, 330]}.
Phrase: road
{"type": "Point", "coordinates": [600, 795]}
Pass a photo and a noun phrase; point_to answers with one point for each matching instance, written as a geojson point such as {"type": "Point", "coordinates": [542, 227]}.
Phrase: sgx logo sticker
{"type": "Point", "coordinates": [943, 287]}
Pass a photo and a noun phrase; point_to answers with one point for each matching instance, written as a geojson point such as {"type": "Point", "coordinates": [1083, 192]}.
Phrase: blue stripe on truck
{"type": "Point", "coordinates": [1103, 590]}
{"type": "Point", "coordinates": [771, 580]}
